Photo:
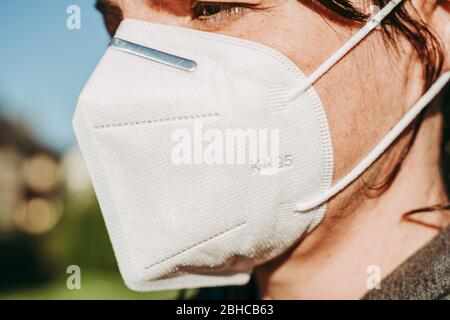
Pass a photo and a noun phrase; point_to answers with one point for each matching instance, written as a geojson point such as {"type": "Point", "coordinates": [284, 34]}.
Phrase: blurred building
{"type": "Point", "coordinates": [30, 177]}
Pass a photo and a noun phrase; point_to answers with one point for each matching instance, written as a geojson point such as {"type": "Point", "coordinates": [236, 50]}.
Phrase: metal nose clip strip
{"type": "Point", "coordinates": [154, 55]}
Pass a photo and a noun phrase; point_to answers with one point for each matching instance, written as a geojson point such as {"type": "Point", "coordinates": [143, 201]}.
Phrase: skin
{"type": "Point", "coordinates": [364, 95]}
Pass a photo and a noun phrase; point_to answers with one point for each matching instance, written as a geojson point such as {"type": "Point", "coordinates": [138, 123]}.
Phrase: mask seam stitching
{"type": "Point", "coordinates": [154, 121]}
{"type": "Point", "coordinates": [196, 245]}
{"type": "Point", "coordinates": [325, 138]}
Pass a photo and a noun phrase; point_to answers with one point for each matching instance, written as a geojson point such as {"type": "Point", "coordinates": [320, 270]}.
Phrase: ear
{"type": "Point", "coordinates": [441, 24]}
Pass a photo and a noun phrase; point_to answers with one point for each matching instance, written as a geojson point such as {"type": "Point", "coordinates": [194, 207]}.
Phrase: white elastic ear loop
{"type": "Point", "coordinates": [423, 102]}
{"type": "Point", "coordinates": [373, 23]}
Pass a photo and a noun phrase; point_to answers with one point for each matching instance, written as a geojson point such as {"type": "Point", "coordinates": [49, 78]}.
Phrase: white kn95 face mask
{"type": "Point", "coordinates": [180, 225]}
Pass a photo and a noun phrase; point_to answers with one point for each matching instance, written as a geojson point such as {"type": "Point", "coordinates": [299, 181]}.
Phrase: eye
{"type": "Point", "coordinates": [216, 10]}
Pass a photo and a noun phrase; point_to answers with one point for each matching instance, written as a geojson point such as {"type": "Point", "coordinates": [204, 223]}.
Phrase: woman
{"type": "Point", "coordinates": [376, 227]}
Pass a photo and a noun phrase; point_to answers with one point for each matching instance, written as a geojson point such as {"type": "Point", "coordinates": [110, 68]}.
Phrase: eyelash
{"type": "Point", "coordinates": [218, 12]}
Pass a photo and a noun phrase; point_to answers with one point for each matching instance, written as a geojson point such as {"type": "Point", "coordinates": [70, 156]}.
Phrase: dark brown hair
{"type": "Point", "coordinates": [429, 49]}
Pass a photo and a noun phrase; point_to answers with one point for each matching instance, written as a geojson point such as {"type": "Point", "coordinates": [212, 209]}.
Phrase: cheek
{"type": "Point", "coordinates": [365, 96]}
{"type": "Point", "coordinates": [292, 29]}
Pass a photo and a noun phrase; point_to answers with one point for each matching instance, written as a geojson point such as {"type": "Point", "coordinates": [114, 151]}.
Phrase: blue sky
{"type": "Point", "coordinates": [44, 65]}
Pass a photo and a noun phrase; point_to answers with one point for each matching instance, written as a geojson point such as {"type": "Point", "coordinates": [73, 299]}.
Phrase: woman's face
{"type": "Point", "coordinates": [365, 94]}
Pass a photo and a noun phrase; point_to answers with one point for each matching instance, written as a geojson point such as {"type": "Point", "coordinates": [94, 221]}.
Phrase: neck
{"type": "Point", "coordinates": [336, 260]}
